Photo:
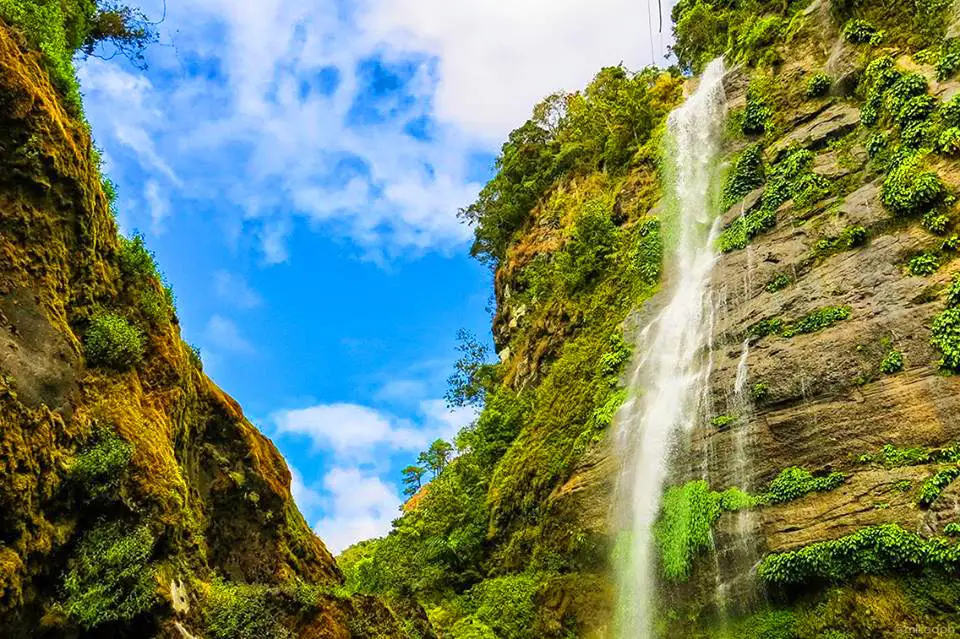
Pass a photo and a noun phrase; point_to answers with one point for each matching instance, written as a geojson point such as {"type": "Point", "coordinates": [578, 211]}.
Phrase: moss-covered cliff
{"type": "Point", "coordinates": [835, 287]}
{"type": "Point", "coordinates": [135, 498]}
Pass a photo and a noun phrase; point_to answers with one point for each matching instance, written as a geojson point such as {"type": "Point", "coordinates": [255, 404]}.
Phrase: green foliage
{"type": "Point", "coordinates": [849, 238]}
{"type": "Point", "coordinates": [793, 483]}
{"type": "Point", "coordinates": [862, 32]}
{"type": "Point", "coordinates": [892, 363]}
{"type": "Point", "coordinates": [765, 624]}
{"type": "Point", "coordinates": [875, 550]}
{"type": "Point", "coordinates": [109, 578]}
{"type": "Point", "coordinates": [818, 85]}
{"type": "Point", "coordinates": [746, 176]}
{"type": "Point", "coordinates": [61, 28]}
{"type": "Point", "coordinates": [952, 529]}
{"type": "Point", "coordinates": [953, 291]}
{"type": "Point", "coordinates": [903, 485]}
{"type": "Point", "coordinates": [949, 141]}
{"type": "Point", "coordinates": [949, 60]}
{"type": "Point", "coordinates": [605, 125]}
{"type": "Point", "coordinates": [816, 321]}
{"type": "Point", "coordinates": [683, 530]}
{"type": "Point", "coordinates": [915, 109]}
{"type": "Point", "coordinates": [589, 248]}
{"type": "Point", "coordinates": [436, 457]}
{"type": "Point", "coordinates": [791, 178]}
{"type": "Point", "coordinates": [110, 341]}
{"type": "Point", "coordinates": [910, 190]}
{"type": "Point", "coordinates": [243, 611]}
{"type": "Point", "coordinates": [946, 338]}
{"type": "Point", "coordinates": [757, 113]}
{"type": "Point", "coordinates": [931, 488]}
{"type": "Point", "coordinates": [506, 605]}
{"type": "Point", "coordinates": [924, 264]}
{"type": "Point", "coordinates": [894, 457]}
{"type": "Point", "coordinates": [722, 422]}
{"type": "Point", "coordinates": [778, 283]}
{"type": "Point", "coordinates": [412, 479]}
{"type": "Point", "coordinates": [472, 375]}
{"type": "Point", "coordinates": [759, 392]}
{"type": "Point", "coordinates": [144, 285]}
{"type": "Point", "coordinates": [98, 469]}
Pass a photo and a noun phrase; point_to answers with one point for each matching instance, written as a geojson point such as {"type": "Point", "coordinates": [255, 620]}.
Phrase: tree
{"type": "Point", "coordinates": [437, 456]}
{"type": "Point", "coordinates": [468, 384]}
{"type": "Point", "coordinates": [412, 479]}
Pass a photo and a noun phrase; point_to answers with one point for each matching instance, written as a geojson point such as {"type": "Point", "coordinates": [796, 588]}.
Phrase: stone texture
{"type": "Point", "coordinates": [834, 122]}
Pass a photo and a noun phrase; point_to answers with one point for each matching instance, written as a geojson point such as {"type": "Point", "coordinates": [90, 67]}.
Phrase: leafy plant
{"type": "Point", "coordinates": [818, 85]}
{"type": "Point", "coordinates": [909, 189]}
{"type": "Point", "coordinates": [110, 341]}
{"type": "Point", "coordinates": [931, 489]}
{"type": "Point", "coordinates": [757, 113]}
{"type": "Point", "coordinates": [923, 264]}
{"type": "Point", "coordinates": [98, 468]}
{"type": "Point", "coordinates": [747, 175]}
{"type": "Point", "coordinates": [862, 32]}
{"type": "Point", "coordinates": [892, 363]}
{"type": "Point", "coordinates": [722, 422]}
{"type": "Point", "coordinates": [778, 283]}
{"type": "Point", "coordinates": [793, 483]}
{"type": "Point", "coordinates": [816, 320]}
{"type": "Point", "coordinates": [946, 337]}
{"type": "Point", "coordinates": [109, 577]}
{"type": "Point", "coordinates": [949, 142]}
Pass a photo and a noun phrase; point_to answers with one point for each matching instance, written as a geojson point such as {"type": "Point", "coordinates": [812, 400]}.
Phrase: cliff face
{"type": "Point", "coordinates": [135, 498]}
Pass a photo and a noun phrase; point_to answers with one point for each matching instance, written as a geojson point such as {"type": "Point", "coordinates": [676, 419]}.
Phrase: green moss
{"type": "Point", "coordinates": [850, 237]}
{"type": "Point", "coordinates": [894, 457]}
{"type": "Point", "coordinates": [683, 530]}
{"type": "Point", "coordinates": [111, 342]}
{"type": "Point", "coordinates": [507, 605]}
{"type": "Point", "coordinates": [243, 611]}
{"type": "Point", "coordinates": [892, 363]}
{"type": "Point", "coordinates": [876, 550]}
{"type": "Point", "coordinates": [756, 115]}
{"type": "Point", "coordinates": [109, 578]}
{"type": "Point", "coordinates": [903, 485]}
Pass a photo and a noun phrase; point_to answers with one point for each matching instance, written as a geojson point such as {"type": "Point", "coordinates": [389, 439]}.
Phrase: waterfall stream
{"type": "Point", "coordinates": [668, 378]}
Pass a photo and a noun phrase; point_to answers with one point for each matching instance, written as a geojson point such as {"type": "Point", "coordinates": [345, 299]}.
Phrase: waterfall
{"type": "Point", "coordinates": [668, 379]}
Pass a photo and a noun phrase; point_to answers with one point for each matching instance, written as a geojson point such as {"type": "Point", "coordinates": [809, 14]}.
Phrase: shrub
{"type": "Point", "coordinates": [746, 176]}
{"type": "Point", "coordinates": [953, 292]}
{"type": "Point", "coordinates": [722, 422]}
{"type": "Point", "coordinates": [507, 605]}
{"type": "Point", "coordinates": [242, 611]}
{"type": "Point", "coordinates": [950, 112]}
{"type": "Point", "coordinates": [875, 550]}
{"type": "Point", "coordinates": [793, 483]}
{"type": "Point", "coordinates": [109, 578]}
{"type": "Point", "coordinates": [892, 363]}
{"type": "Point", "coordinates": [916, 109]}
{"type": "Point", "coordinates": [952, 529]}
{"type": "Point", "coordinates": [862, 32]}
{"type": "Point", "coordinates": [949, 142]}
{"type": "Point", "coordinates": [923, 265]}
{"type": "Point", "coordinates": [930, 489]}
{"type": "Point", "coordinates": [949, 59]}
{"type": "Point", "coordinates": [877, 144]}
{"type": "Point", "coordinates": [98, 469]}
{"type": "Point", "coordinates": [946, 338]}
{"type": "Point", "coordinates": [759, 392]}
{"type": "Point", "coordinates": [818, 85]}
{"type": "Point", "coordinates": [110, 341]}
{"type": "Point", "coordinates": [816, 321]}
{"type": "Point", "coordinates": [778, 283]}
{"type": "Point", "coordinates": [756, 115]}
{"type": "Point", "coordinates": [683, 530]}
{"type": "Point", "coordinates": [909, 190]}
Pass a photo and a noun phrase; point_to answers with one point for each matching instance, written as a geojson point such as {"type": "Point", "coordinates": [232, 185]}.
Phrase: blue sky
{"type": "Point", "coordinates": [297, 166]}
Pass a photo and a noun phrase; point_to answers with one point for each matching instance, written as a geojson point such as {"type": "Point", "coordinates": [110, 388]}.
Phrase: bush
{"type": "Point", "coordinates": [507, 605]}
{"type": "Point", "coordinates": [816, 321]}
{"type": "Point", "coordinates": [874, 551]}
{"type": "Point", "coordinates": [111, 342]}
{"type": "Point", "coordinates": [818, 85]}
{"type": "Point", "coordinates": [953, 292]}
{"type": "Point", "coordinates": [910, 190]}
{"type": "Point", "coordinates": [243, 611]}
{"type": "Point", "coordinates": [916, 109]}
{"type": "Point", "coordinates": [862, 32]}
{"type": "Point", "coordinates": [778, 283]}
{"type": "Point", "coordinates": [923, 265]}
{"type": "Point", "coordinates": [946, 338]}
{"type": "Point", "coordinates": [109, 578]}
{"type": "Point", "coordinates": [722, 422]}
{"type": "Point", "coordinates": [949, 59]}
{"type": "Point", "coordinates": [949, 142]}
{"type": "Point", "coordinates": [931, 489]}
{"type": "Point", "coordinates": [98, 469]}
{"type": "Point", "coordinates": [892, 363]}
{"type": "Point", "coordinates": [793, 483]}
{"type": "Point", "coordinates": [756, 115]}
{"type": "Point", "coordinates": [746, 176]}
{"type": "Point", "coordinates": [684, 528]}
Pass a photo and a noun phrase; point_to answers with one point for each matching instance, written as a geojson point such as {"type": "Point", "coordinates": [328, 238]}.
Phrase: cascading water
{"type": "Point", "coordinates": [668, 379]}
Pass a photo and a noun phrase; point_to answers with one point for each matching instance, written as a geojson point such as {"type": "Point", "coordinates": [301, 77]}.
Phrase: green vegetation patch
{"type": "Point", "coordinates": [931, 489]}
{"type": "Point", "coordinates": [793, 483]}
{"type": "Point", "coordinates": [112, 342]}
{"type": "Point", "coordinates": [812, 322]}
{"type": "Point", "coordinates": [875, 550]}
{"type": "Point", "coordinates": [747, 175]}
{"type": "Point", "coordinates": [100, 467]}
{"type": "Point", "coordinates": [818, 85]}
{"type": "Point", "coordinates": [109, 578]}
{"type": "Point", "coordinates": [946, 329]}
{"type": "Point", "coordinates": [892, 363]}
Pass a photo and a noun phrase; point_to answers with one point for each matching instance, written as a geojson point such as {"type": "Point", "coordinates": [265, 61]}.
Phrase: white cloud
{"type": "Point", "coordinates": [158, 204]}
{"type": "Point", "coordinates": [350, 429]}
{"type": "Point", "coordinates": [359, 506]}
{"type": "Point", "coordinates": [248, 138]}
{"type": "Point", "coordinates": [223, 334]}
{"type": "Point", "coordinates": [306, 498]}
{"type": "Point", "coordinates": [446, 422]}
{"type": "Point", "coordinates": [235, 290]}
{"type": "Point", "coordinates": [401, 391]}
